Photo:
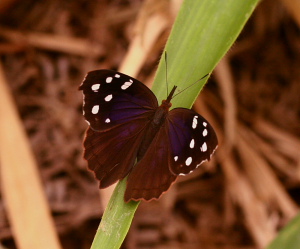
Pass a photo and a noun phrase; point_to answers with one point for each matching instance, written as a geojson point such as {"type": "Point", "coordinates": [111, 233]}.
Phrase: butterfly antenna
{"type": "Point", "coordinates": [191, 85]}
{"type": "Point", "coordinates": [166, 61]}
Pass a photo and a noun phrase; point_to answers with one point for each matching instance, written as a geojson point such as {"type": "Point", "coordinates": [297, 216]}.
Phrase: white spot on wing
{"type": "Point", "coordinates": [188, 161]}
{"type": "Point", "coordinates": [131, 80]}
{"type": "Point", "coordinates": [204, 124]}
{"type": "Point", "coordinates": [203, 147]}
{"type": "Point", "coordinates": [95, 87]}
{"type": "Point", "coordinates": [109, 79]}
{"type": "Point", "coordinates": [175, 158]}
{"type": "Point", "coordinates": [195, 122]}
{"type": "Point", "coordinates": [204, 133]}
{"type": "Point", "coordinates": [117, 76]}
{"type": "Point", "coordinates": [126, 85]}
{"type": "Point", "coordinates": [95, 109]}
{"type": "Point", "coordinates": [87, 122]}
{"type": "Point", "coordinates": [192, 143]}
{"type": "Point", "coordinates": [108, 97]}
{"type": "Point", "coordinates": [107, 120]}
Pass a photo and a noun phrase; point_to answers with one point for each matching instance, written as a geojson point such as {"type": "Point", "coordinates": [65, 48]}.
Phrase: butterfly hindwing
{"type": "Point", "coordinates": [192, 140]}
{"type": "Point", "coordinates": [151, 176]}
{"type": "Point", "coordinates": [111, 156]}
{"type": "Point", "coordinates": [112, 98]}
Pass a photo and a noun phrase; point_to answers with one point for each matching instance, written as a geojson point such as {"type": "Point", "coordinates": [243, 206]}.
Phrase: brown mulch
{"type": "Point", "coordinates": [239, 200]}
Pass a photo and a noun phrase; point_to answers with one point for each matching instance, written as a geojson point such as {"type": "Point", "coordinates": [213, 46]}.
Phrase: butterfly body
{"type": "Point", "coordinates": [126, 124]}
{"type": "Point", "coordinates": [156, 123]}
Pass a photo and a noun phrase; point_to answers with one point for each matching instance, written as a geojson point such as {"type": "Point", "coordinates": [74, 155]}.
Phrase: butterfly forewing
{"type": "Point", "coordinates": [112, 98]}
{"type": "Point", "coordinates": [192, 140]}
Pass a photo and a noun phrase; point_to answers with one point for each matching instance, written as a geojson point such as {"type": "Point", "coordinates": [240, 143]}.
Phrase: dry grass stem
{"type": "Point", "coordinates": [28, 209]}
{"type": "Point", "coordinates": [149, 26]}
{"type": "Point", "coordinates": [254, 210]}
{"type": "Point", "coordinates": [225, 81]}
{"type": "Point", "coordinates": [263, 178]}
{"type": "Point", "coordinates": [59, 43]}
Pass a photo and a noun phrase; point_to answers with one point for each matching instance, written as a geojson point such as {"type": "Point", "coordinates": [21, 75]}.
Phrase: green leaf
{"type": "Point", "coordinates": [203, 32]}
{"type": "Point", "coordinates": [289, 237]}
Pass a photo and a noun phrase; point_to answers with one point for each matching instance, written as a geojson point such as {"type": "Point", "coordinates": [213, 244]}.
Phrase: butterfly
{"type": "Point", "coordinates": [126, 125]}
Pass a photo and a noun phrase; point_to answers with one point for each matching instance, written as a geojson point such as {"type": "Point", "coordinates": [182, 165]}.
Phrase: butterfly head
{"type": "Point", "coordinates": [166, 104]}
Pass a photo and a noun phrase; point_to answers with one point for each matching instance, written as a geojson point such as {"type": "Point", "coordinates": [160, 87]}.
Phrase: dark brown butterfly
{"type": "Point", "coordinates": [126, 124]}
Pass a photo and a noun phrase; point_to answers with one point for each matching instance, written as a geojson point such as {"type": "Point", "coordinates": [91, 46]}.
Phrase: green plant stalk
{"type": "Point", "coordinates": [116, 220]}
{"type": "Point", "coordinates": [203, 32]}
